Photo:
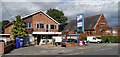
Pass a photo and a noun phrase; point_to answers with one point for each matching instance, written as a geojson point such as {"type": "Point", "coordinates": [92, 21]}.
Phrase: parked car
{"type": "Point", "coordinates": [93, 39]}
{"type": "Point", "coordinates": [64, 41]}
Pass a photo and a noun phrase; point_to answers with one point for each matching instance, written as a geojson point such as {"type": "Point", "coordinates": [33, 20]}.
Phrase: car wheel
{"type": "Point", "coordinates": [98, 42]}
{"type": "Point", "coordinates": [88, 41]}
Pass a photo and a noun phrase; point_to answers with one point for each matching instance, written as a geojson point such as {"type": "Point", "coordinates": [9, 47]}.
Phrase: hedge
{"type": "Point", "coordinates": [84, 38]}
{"type": "Point", "coordinates": [112, 39]}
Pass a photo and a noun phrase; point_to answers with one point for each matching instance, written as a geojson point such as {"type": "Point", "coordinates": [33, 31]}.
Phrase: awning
{"type": "Point", "coordinates": [47, 33]}
{"type": "Point", "coordinates": [4, 34]}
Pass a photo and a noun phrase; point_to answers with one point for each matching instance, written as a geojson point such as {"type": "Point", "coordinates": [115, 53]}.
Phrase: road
{"type": "Point", "coordinates": [91, 49]}
{"type": "Point", "coordinates": [96, 51]}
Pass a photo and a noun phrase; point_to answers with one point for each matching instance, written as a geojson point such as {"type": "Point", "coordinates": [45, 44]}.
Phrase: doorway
{"type": "Point", "coordinates": [38, 39]}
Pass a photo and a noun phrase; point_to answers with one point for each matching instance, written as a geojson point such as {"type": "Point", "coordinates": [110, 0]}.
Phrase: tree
{"type": "Point", "coordinates": [0, 27]}
{"type": "Point", "coordinates": [19, 29]}
{"type": "Point", "coordinates": [4, 23]}
{"type": "Point", "coordinates": [57, 15]}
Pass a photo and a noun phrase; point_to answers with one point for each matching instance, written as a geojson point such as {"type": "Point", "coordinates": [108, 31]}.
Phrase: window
{"type": "Point", "coordinates": [53, 26]}
{"type": "Point", "coordinates": [94, 38]}
{"type": "Point", "coordinates": [40, 26]}
{"type": "Point", "coordinates": [29, 25]}
{"type": "Point", "coordinates": [37, 25]}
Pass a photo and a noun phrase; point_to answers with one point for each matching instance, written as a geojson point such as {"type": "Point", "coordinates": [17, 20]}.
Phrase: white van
{"type": "Point", "coordinates": [93, 39]}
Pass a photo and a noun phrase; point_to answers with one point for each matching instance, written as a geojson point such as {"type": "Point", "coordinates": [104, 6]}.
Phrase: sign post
{"type": "Point", "coordinates": [79, 25]}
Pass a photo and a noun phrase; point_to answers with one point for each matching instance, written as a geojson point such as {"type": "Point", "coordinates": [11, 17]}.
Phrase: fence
{"type": "Point", "coordinates": [6, 48]}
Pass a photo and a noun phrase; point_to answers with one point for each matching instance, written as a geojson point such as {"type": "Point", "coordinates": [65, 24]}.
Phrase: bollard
{"type": "Point", "coordinates": [80, 43]}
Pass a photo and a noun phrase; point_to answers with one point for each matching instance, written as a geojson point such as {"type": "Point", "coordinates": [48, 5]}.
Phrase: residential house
{"type": "Point", "coordinates": [93, 26]}
{"type": "Point", "coordinates": [116, 31]}
{"type": "Point", "coordinates": [40, 26]}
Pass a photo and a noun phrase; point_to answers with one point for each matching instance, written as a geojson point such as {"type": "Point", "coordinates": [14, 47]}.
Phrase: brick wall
{"type": "Point", "coordinates": [101, 25]}
{"type": "Point", "coordinates": [43, 19]}
{"type": "Point", "coordinates": [36, 19]}
{"type": "Point", "coordinates": [1, 48]}
{"type": "Point", "coordinates": [8, 30]}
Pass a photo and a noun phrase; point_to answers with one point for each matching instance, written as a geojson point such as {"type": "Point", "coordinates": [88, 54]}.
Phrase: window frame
{"type": "Point", "coordinates": [53, 26]}
{"type": "Point", "coordinates": [41, 27]}
{"type": "Point", "coordinates": [28, 25]}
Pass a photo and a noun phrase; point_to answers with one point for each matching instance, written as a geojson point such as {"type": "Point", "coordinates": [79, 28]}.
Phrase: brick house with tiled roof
{"type": "Point", "coordinates": [93, 25]}
{"type": "Point", "coordinates": [39, 25]}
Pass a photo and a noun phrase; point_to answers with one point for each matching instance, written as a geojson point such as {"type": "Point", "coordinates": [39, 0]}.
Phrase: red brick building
{"type": "Point", "coordinates": [93, 26]}
{"type": "Point", "coordinates": [39, 25]}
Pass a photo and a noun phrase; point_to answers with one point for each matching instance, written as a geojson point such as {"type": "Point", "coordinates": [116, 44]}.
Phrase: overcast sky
{"type": "Point", "coordinates": [11, 8]}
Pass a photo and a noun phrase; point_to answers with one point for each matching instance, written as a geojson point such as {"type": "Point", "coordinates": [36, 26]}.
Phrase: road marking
{"type": "Point", "coordinates": [103, 49]}
{"type": "Point", "coordinates": [81, 52]}
{"type": "Point", "coordinates": [76, 53]}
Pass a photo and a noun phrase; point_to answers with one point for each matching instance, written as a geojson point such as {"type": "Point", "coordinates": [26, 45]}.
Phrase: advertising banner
{"type": "Point", "coordinates": [80, 23]}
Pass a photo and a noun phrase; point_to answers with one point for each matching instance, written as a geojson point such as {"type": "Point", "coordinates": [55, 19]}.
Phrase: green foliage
{"type": "Point", "coordinates": [5, 22]}
{"type": "Point", "coordinates": [113, 39]}
{"type": "Point", "coordinates": [84, 38]}
{"type": "Point", "coordinates": [57, 15]}
{"type": "Point", "coordinates": [2, 24]}
{"type": "Point", "coordinates": [98, 37]}
{"type": "Point", "coordinates": [19, 29]}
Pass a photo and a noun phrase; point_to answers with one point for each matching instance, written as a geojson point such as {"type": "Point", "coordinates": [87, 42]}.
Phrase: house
{"type": "Point", "coordinates": [116, 31]}
{"type": "Point", "coordinates": [40, 26]}
{"type": "Point", "coordinates": [93, 25]}
{"type": "Point", "coordinates": [4, 38]}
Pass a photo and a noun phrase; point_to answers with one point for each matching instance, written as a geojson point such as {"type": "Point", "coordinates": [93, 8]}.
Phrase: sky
{"type": "Point", "coordinates": [71, 8]}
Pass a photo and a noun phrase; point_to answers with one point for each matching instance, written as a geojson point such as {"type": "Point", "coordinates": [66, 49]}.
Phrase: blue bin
{"type": "Point", "coordinates": [17, 43]}
{"type": "Point", "coordinates": [21, 42]}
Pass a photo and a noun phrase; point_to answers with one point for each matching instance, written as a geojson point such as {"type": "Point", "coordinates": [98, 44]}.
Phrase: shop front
{"type": "Point", "coordinates": [43, 38]}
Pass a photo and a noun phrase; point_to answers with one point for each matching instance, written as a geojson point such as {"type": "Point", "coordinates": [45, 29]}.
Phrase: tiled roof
{"type": "Point", "coordinates": [40, 12]}
{"type": "Point", "coordinates": [70, 26]}
{"type": "Point", "coordinates": [89, 23]}
{"type": "Point", "coordinates": [32, 15]}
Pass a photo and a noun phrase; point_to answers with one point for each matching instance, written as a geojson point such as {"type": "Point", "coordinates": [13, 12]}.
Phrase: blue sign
{"type": "Point", "coordinates": [79, 24]}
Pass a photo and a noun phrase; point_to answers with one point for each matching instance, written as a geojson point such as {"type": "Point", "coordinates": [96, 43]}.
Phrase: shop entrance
{"type": "Point", "coordinates": [38, 39]}
{"type": "Point", "coordinates": [44, 39]}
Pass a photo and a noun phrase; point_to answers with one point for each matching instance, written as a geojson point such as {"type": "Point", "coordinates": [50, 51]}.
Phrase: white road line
{"type": "Point", "coordinates": [81, 52]}
{"type": "Point", "coordinates": [103, 49]}
{"type": "Point", "coordinates": [76, 53]}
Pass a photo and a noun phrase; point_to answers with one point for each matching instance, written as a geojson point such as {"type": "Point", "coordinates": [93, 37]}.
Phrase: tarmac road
{"type": "Point", "coordinates": [96, 51]}
{"type": "Point", "coordinates": [91, 49]}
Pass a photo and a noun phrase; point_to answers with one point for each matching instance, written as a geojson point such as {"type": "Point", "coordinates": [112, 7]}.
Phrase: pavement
{"type": "Point", "coordinates": [91, 49]}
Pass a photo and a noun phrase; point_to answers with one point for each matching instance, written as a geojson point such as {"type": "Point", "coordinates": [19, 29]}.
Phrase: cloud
{"type": "Point", "coordinates": [70, 7]}
{"type": "Point", "coordinates": [0, 11]}
{"type": "Point", "coordinates": [30, 0]}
